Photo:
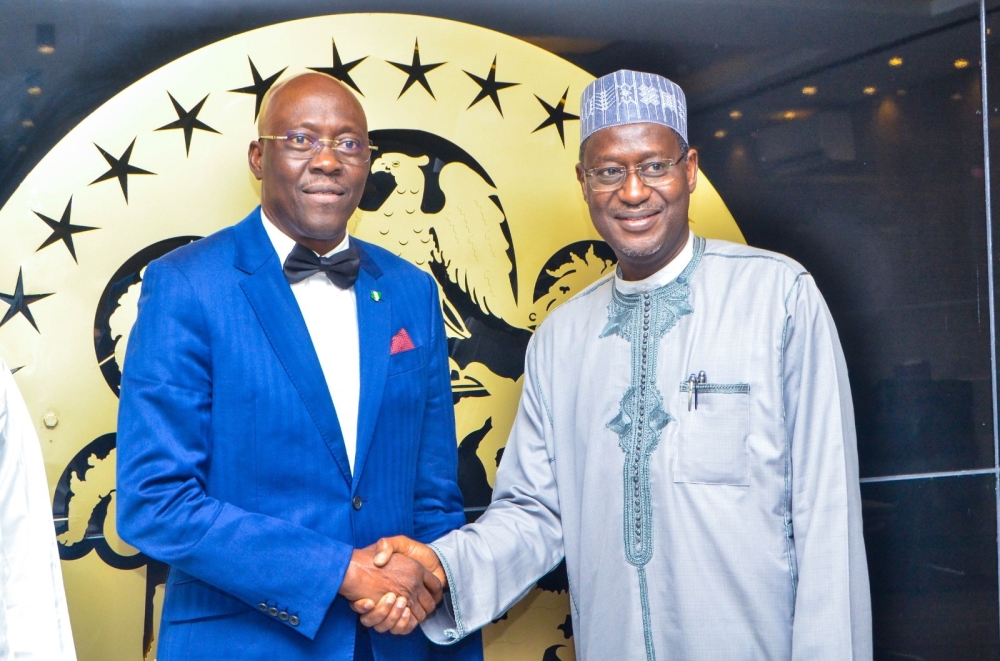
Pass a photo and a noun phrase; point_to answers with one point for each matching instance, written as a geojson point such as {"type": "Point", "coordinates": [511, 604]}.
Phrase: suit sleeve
{"type": "Point", "coordinates": [492, 563]}
{"type": "Point", "coordinates": [832, 601]}
{"type": "Point", "coordinates": [164, 452]}
{"type": "Point", "coordinates": [438, 503]}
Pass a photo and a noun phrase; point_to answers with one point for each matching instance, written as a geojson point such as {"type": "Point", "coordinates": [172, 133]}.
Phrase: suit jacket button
{"type": "Point", "coordinates": [293, 620]}
{"type": "Point", "coordinates": [283, 616]}
{"type": "Point", "coordinates": [272, 611]}
{"type": "Point", "coordinates": [357, 502]}
{"type": "Point", "coordinates": [262, 607]}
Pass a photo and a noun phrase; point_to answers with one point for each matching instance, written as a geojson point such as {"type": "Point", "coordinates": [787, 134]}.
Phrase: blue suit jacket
{"type": "Point", "coordinates": [231, 464]}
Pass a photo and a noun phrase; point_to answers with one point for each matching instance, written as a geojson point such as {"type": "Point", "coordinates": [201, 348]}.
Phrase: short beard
{"type": "Point", "coordinates": [635, 254]}
{"type": "Point", "coordinates": [631, 252]}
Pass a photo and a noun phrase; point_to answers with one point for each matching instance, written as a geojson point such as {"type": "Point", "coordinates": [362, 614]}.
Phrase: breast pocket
{"type": "Point", "coordinates": [406, 361]}
{"type": "Point", "coordinates": [712, 440]}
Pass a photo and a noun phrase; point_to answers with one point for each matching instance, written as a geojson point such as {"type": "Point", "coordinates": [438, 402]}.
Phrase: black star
{"type": "Point", "coordinates": [120, 168]}
{"type": "Point", "coordinates": [567, 628]}
{"type": "Point", "coordinates": [488, 87]}
{"type": "Point", "coordinates": [19, 302]}
{"type": "Point", "coordinates": [416, 72]}
{"type": "Point", "coordinates": [62, 230]}
{"type": "Point", "coordinates": [187, 120]}
{"type": "Point", "coordinates": [341, 71]}
{"type": "Point", "coordinates": [259, 87]}
{"type": "Point", "coordinates": [557, 116]}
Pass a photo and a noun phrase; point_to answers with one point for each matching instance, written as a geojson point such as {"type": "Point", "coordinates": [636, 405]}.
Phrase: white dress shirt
{"type": "Point", "coordinates": [331, 316]}
{"type": "Point", "coordinates": [34, 622]}
{"type": "Point", "coordinates": [662, 277]}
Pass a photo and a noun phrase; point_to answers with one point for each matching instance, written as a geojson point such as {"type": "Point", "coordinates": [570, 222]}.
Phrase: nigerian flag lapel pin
{"type": "Point", "coordinates": [376, 296]}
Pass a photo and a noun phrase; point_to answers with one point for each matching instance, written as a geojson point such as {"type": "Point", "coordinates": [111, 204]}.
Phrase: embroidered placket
{"type": "Point", "coordinates": [642, 320]}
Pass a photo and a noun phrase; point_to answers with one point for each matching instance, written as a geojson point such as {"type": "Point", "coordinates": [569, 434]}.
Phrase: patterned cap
{"type": "Point", "coordinates": [630, 97]}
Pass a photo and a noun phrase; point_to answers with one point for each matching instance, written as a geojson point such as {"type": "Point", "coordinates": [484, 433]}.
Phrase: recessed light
{"type": "Point", "coordinates": [721, 133]}
{"type": "Point", "coordinates": [735, 114]}
{"type": "Point", "coordinates": [956, 97]}
{"type": "Point", "coordinates": [895, 61]}
{"type": "Point", "coordinates": [45, 38]}
{"type": "Point", "coordinates": [810, 90]}
{"type": "Point", "coordinates": [961, 63]}
{"type": "Point", "coordinates": [789, 114]}
{"type": "Point", "coordinates": [27, 123]}
{"type": "Point", "coordinates": [869, 90]}
{"type": "Point", "coordinates": [900, 92]}
{"type": "Point", "coordinates": [34, 90]}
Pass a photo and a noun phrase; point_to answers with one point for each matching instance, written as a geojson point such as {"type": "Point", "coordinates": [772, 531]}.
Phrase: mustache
{"type": "Point", "coordinates": [628, 208]}
{"type": "Point", "coordinates": [325, 184]}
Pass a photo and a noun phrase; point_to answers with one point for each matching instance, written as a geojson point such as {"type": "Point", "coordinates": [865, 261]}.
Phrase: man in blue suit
{"type": "Point", "coordinates": [286, 402]}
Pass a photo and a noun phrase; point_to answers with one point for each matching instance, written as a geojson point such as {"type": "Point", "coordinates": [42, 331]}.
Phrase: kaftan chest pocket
{"type": "Point", "coordinates": [713, 434]}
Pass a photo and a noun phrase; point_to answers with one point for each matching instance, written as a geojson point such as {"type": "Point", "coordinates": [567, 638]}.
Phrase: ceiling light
{"type": "Point", "coordinates": [961, 63]}
{"type": "Point", "coordinates": [895, 61]}
{"type": "Point", "coordinates": [788, 114]}
{"type": "Point", "coordinates": [869, 91]}
{"type": "Point", "coordinates": [27, 123]}
{"type": "Point", "coordinates": [809, 90]}
{"type": "Point", "coordinates": [721, 133]}
{"type": "Point", "coordinates": [45, 38]}
{"type": "Point", "coordinates": [956, 97]}
{"type": "Point", "coordinates": [34, 90]}
{"type": "Point", "coordinates": [735, 114]}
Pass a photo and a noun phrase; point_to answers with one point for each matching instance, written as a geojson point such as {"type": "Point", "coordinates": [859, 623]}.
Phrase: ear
{"type": "Point", "coordinates": [692, 170]}
{"type": "Point", "coordinates": [581, 176]}
{"type": "Point", "coordinates": [253, 158]}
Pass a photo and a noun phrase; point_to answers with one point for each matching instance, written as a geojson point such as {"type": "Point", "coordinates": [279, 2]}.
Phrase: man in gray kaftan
{"type": "Point", "coordinates": [685, 439]}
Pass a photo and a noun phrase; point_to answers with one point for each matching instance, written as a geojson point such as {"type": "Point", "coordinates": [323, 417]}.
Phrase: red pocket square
{"type": "Point", "coordinates": [401, 342]}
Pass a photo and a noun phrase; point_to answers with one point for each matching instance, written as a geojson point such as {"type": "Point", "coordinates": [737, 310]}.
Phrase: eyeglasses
{"type": "Point", "coordinates": [298, 145]}
{"type": "Point", "coordinates": [654, 173]}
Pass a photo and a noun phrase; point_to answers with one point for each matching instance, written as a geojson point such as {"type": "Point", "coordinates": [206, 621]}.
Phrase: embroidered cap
{"type": "Point", "coordinates": [630, 97]}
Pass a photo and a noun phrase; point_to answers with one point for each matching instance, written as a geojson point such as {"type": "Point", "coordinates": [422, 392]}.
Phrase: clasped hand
{"type": "Point", "coordinates": [394, 584]}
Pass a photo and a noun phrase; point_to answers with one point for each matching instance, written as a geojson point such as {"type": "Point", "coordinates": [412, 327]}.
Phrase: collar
{"type": "Point", "coordinates": [662, 277]}
{"type": "Point", "coordinates": [283, 243]}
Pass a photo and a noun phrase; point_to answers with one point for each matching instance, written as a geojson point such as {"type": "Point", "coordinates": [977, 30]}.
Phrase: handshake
{"type": "Point", "coordinates": [394, 584]}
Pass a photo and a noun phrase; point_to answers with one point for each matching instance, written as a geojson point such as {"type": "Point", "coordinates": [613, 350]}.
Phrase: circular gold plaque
{"type": "Point", "coordinates": [474, 182]}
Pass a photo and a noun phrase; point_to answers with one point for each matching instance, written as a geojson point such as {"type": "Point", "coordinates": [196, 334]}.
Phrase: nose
{"type": "Point", "coordinates": [325, 160]}
{"type": "Point", "coordinates": [633, 191]}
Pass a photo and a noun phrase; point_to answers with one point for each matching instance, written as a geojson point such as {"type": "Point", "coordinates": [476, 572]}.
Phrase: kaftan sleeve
{"type": "Point", "coordinates": [494, 562]}
{"type": "Point", "coordinates": [832, 620]}
{"type": "Point", "coordinates": [34, 622]}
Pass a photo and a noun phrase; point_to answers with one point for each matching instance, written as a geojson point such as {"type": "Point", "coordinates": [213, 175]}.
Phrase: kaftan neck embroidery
{"type": "Point", "coordinates": [642, 320]}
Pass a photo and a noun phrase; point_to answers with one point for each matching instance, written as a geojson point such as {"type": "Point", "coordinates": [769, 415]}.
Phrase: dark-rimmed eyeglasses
{"type": "Point", "coordinates": [653, 173]}
{"type": "Point", "coordinates": [299, 145]}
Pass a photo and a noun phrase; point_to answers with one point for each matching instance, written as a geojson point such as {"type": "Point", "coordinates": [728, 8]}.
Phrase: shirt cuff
{"type": "Point", "coordinates": [444, 626]}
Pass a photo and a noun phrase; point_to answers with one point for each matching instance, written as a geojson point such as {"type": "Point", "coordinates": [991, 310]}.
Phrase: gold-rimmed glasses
{"type": "Point", "coordinates": [300, 145]}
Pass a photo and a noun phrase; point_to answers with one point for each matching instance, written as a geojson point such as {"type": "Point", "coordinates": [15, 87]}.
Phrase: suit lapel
{"type": "Point", "coordinates": [279, 315]}
{"type": "Point", "coordinates": [374, 337]}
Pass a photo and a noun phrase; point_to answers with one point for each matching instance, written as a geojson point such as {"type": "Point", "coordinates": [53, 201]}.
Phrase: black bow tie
{"type": "Point", "coordinates": [341, 267]}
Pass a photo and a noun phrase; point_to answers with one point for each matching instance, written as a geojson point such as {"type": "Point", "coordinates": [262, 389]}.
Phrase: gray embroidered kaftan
{"type": "Point", "coordinates": [718, 520]}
